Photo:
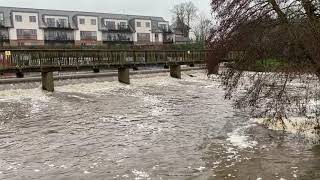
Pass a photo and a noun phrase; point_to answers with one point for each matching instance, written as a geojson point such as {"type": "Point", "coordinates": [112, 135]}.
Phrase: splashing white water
{"type": "Point", "coordinates": [239, 139]}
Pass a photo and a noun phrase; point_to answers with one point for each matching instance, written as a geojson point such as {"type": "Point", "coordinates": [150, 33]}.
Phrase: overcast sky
{"type": "Point", "coordinates": [136, 7]}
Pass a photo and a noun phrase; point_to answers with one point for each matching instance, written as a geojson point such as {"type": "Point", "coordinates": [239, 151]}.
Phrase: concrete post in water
{"type": "Point", "coordinates": [19, 75]}
{"type": "Point", "coordinates": [96, 70]}
{"type": "Point", "coordinates": [175, 71]}
{"type": "Point", "coordinates": [123, 75]}
{"type": "Point", "coordinates": [47, 81]}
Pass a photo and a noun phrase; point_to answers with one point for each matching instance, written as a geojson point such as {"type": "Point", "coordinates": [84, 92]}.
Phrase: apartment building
{"type": "Point", "coordinates": [33, 27]}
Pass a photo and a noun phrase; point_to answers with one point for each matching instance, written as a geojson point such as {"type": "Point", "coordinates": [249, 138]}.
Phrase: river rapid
{"type": "Point", "coordinates": [156, 128]}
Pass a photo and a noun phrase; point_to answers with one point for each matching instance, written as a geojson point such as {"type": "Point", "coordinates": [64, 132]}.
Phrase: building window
{"type": "Point", "coordinates": [82, 21]}
{"type": "Point", "coordinates": [30, 34]}
{"type": "Point", "coordinates": [32, 19]}
{"type": "Point", "coordinates": [143, 37]}
{"type": "Point", "coordinates": [163, 27]}
{"type": "Point", "coordinates": [3, 35]}
{"type": "Point", "coordinates": [147, 24]}
{"type": "Point", "coordinates": [18, 18]}
{"type": "Point", "coordinates": [60, 35]}
{"type": "Point", "coordinates": [88, 35]}
{"type": "Point", "coordinates": [51, 22]}
{"type": "Point", "coordinates": [116, 37]}
{"type": "Point", "coordinates": [111, 25]}
{"type": "Point", "coordinates": [62, 23]}
{"type": "Point", "coordinates": [123, 25]}
{"type": "Point", "coordinates": [138, 24]}
{"type": "Point", "coordinates": [93, 22]}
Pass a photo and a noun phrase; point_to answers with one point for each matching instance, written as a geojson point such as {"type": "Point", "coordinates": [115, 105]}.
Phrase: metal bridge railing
{"type": "Point", "coordinates": [62, 58]}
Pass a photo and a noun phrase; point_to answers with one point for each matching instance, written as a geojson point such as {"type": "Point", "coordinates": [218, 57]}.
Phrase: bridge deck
{"type": "Point", "coordinates": [37, 60]}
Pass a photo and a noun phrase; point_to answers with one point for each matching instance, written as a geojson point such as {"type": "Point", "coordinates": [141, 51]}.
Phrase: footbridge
{"type": "Point", "coordinates": [48, 61]}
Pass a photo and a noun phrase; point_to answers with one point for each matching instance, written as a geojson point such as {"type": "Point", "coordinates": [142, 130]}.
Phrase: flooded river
{"type": "Point", "coordinates": [156, 128]}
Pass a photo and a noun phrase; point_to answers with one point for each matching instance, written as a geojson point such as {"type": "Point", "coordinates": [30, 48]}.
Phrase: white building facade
{"type": "Point", "coordinates": [25, 30]}
{"type": "Point", "coordinates": [36, 27]}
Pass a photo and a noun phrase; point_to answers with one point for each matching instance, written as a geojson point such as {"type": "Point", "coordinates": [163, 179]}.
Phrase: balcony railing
{"type": "Point", "coordinates": [166, 30]}
{"type": "Point", "coordinates": [58, 38]}
{"type": "Point", "coordinates": [118, 39]}
{"type": "Point", "coordinates": [27, 37]}
{"type": "Point", "coordinates": [58, 25]}
{"type": "Point", "coordinates": [117, 28]}
{"type": "Point", "coordinates": [89, 38]}
{"type": "Point", "coordinates": [168, 41]}
{"type": "Point", "coordinates": [4, 37]}
{"type": "Point", "coordinates": [2, 23]}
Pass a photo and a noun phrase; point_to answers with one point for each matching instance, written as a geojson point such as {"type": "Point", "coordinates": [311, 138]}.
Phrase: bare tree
{"type": "Point", "coordinates": [191, 12]}
{"type": "Point", "coordinates": [256, 31]}
{"type": "Point", "coordinates": [202, 28]}
{"type": "Point", "coordinates": [184, 14]}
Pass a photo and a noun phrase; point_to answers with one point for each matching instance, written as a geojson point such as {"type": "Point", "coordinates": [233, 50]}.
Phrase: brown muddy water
{"type": "Point", "coordinates": [156, 128]}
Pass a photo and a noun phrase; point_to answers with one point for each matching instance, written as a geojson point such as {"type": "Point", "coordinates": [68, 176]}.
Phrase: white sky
{"type": "Point", "coordinates": [136, 7]}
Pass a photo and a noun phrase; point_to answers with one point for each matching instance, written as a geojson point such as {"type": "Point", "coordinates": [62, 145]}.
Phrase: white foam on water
{"type": "Point", "coordinates": [78, 97]}
{"type": "Point", "coordinates": [140, 175]}
{"type": "Point", "coordinates": [239, 139]}
{"type": "Point", "coordinates": [90, 88]}
{"type": "Point", "coordinates": [152, 102]}
{"type": "Point", "coordinates": [201, 168]}
{"type": "Point", "coordinates": [19, 94]}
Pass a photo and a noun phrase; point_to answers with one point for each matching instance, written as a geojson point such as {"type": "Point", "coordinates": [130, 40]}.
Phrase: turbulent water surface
{"type": "Point", "coordinates": [156, 128]}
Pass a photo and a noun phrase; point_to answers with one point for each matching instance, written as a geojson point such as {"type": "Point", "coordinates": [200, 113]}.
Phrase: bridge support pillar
{"type": "Point", "coordinates": [19, 75]}
{"type": "Point", "coordinates": [96, 70]}
{"type": "Point", "coordinates": [175, 71]}
{"type": "Point", "coordinates": [47, 81]}
{"type": "Point", "coordinates": [123, 75]}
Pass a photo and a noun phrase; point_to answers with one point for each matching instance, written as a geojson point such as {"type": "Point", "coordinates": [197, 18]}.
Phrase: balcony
{"type": "Point", "coordinates": [27, 37]}
{"type": "Point", "coordinates": [58, 35]}
{"type": "Point", "coordinates": [88, 38]}
{"type": "Point", "coordinates": [166, 30]}
{"type": "Point", "coordinates": [117, 28]}
{"type": "Point", "coordinates": [58, 25]}
{"type": "Point", "coordinates": [2, 23]}
{"type": "Point", "coordinates": [60, 38]}
{"type": "Point", "coordinates": [117, 38]}
{"type": "Point", "coordinates": [168, 41]}
{"type": "Point", "coordinates": [4, 38]}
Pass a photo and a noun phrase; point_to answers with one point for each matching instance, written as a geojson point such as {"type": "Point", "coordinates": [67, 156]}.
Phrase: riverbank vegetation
{"type": "Point", "coordinates": [280, 42]}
